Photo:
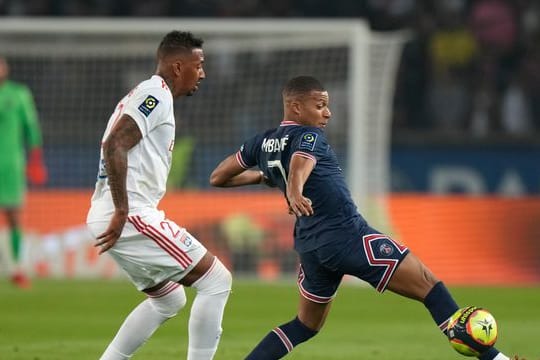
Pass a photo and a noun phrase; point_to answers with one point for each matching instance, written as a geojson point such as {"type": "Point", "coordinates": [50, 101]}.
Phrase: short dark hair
{"type": "Point", "coordinates": [302, 85]}
{"type": "Point", "coordinates": [178, 41]}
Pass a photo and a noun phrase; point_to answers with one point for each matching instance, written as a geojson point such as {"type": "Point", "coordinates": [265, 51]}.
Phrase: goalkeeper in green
{"type": "Point", "coordinates": [20, 157]}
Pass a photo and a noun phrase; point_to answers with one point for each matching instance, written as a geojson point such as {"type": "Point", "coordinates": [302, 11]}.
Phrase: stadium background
{"type": "Point", "coordinates": [461, 175]}
{"type": "Point", "coordinates": [460, 188]}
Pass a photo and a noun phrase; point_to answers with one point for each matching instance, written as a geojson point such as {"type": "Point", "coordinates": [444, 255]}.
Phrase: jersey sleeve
{"type": "Point", "coordinates": [311, 144]}
{"type": "Point", "coordinates": [148, 108]}
{"type": "Point", "coordinates": [28, 112]}
{"type": "Point", "coordinates": [247, 154]}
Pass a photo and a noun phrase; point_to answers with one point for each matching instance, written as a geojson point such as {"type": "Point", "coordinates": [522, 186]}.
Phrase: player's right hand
{"type": "Point", "coordinates": [109, 237]}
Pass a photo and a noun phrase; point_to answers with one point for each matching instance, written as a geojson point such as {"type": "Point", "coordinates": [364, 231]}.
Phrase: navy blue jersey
{"type": "Point", "coordinates": [335, 218]}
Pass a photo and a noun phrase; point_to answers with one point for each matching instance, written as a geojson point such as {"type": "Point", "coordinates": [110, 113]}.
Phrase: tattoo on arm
{"type": "Point", "coordinates": [125, 135]}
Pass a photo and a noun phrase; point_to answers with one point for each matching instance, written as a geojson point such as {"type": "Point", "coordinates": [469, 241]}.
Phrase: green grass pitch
{"type": "Point", "coordinates": [75, 319]}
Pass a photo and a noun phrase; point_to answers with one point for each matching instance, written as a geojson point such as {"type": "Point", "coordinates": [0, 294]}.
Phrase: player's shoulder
{"type": "Point", "coordinates": [155, 86]}
{"type": "Point", "coordinates": [17, 86]}
{"type": "Point", "coordinates": [302, 131]}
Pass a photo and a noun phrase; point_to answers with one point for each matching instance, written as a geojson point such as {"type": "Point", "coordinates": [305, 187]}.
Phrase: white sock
{"type": "Point", "coordinates": [501, 356]}
{"type": "Point", "coordinates": [136, 329]}
{"type": "Point", "coordinates": [144, 320]}
{"type": "Point", "coordinates": [205, 325]}
{"type": "Point", "coordinates": [207, 312]}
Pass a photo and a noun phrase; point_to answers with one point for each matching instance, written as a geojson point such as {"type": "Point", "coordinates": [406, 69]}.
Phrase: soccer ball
{"type": "Point", "coordinates": [472, 330]}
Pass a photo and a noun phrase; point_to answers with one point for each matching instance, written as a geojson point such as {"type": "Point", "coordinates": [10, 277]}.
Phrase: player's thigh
{"type": "Point", "coordinates": [412, 278]}
{"type": "Point", "coordinates": [317, 282]}
{"type": "Point", "coordinates": [372, 257]}
{"type": "Point", "coordinates": [318, 285]}
{"type": "Point", "coordinates": [153, 249]}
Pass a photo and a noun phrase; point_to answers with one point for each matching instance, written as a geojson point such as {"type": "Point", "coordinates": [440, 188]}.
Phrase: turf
{"type": "Point", "coordinates": [60, 320]}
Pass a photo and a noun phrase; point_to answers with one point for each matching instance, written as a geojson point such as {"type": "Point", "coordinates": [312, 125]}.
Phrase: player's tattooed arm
{"type": "Point", "coordinates": [124, 135]}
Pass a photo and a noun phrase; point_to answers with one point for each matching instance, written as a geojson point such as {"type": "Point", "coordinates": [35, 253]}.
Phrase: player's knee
{"type": "Point", "coordinates": [171, 301]}
{"type": "Point", "coordinates": [216, 281]}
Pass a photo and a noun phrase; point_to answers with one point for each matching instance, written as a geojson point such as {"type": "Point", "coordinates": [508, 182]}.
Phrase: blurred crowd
{"type": "Point", "coordinates": [473, 67]}
{"type": "Point", "coordinates": [470, 66]}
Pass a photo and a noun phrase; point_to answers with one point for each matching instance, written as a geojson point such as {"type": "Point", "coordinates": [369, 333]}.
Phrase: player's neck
{"type": "Point", "coordinates": [167, 80]}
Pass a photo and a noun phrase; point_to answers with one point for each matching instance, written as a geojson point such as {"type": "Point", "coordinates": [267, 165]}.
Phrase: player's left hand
{"type": "Point", "coordinates": [109, 237]}
{"type": "Point", "coordinates": [300, 206]}
{"type": "Point", "coordinates": [35, 167]}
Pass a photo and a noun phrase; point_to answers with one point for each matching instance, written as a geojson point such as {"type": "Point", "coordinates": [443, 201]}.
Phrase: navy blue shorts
{"type": "Point", "coordinates": [373, 258]}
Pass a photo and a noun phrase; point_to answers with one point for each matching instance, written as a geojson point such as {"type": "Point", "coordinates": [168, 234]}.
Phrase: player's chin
{"type": "Point", "coordinates": [192, 91]}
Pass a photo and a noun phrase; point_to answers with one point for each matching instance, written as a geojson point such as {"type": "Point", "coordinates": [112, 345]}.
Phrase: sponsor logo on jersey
{"type": "Point", "coordinates": [308, 141]}
{"type": "Point", "coordinates": [148, 105]}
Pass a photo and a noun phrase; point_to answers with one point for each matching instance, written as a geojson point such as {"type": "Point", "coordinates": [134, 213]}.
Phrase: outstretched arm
{"type": "Point", "coordinates": [299, 170]}
{"type": "Point", "coordinates": [125, 135]}
{"type": "Point", "coordinates": [229, 173]}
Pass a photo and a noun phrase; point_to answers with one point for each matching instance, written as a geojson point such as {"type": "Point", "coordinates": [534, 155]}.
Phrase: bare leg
{"type": "Point", "coordinates": [312, 314]}
{"type": "Point", "coordinates": [412, 279]}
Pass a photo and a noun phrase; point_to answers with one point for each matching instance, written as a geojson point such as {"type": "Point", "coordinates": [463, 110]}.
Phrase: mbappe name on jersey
{"type": "Point", "coordinates": [274, 145]}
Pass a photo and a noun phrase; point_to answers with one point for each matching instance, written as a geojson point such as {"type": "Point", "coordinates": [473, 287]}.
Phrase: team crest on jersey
{"type": "Point", "coordinates": [148, 105]}
{"type": "Point", "coordinates": [308, 141]}
{"type": "Point", "coordinates": [386, 249]}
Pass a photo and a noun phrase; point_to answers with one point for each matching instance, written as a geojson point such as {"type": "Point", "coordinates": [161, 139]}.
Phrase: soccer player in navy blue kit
{"type": "Point", "coordinates": [330, 236]}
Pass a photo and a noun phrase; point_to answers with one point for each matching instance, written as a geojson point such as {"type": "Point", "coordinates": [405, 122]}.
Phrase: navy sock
{"type": "Point", "coordinates": [441, 305]}
{"type": "Point", "coordinates": [490, 354]}
{"type": "Point", "coordinates": [280, 341]}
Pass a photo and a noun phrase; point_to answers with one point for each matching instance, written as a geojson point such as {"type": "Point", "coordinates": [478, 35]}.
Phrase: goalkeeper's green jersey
{"type": "Point", "coordinates": [19, 130]}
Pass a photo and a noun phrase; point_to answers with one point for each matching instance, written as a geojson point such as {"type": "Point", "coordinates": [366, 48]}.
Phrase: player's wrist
{"type": "Point", "coordinates": [261, 177]}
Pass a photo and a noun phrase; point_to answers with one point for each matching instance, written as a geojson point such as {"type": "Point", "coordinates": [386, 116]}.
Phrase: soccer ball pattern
{"type": "Point", "coordinates": [472, 330]}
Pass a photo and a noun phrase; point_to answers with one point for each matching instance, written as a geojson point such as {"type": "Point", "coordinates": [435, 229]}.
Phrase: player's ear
{"type": "Point", "coordinates": [177, 67]}
{"type": "Point", "coordinates": [296, 107]}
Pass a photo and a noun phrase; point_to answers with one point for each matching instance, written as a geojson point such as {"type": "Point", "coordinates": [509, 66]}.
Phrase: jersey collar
{"type": "Point", "coordinates": [288, 123]}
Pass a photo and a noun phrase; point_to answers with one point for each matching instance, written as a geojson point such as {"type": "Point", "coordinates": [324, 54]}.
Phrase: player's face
{"type": "Point", "coordinates": [191, 73]}
{"type": "Point", "coordinates": [313, 109]}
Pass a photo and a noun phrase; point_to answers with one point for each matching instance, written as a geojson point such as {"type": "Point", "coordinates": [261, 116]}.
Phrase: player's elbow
{"type": "Point", "coordinates": [217, 180]}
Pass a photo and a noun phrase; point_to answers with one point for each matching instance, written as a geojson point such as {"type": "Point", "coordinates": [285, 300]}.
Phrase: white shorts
{"type": "Point", "coordinates": [153, 249]}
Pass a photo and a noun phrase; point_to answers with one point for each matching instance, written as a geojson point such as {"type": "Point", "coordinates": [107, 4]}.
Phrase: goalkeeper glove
{"type": "Point", "coordinates": [35, 168]}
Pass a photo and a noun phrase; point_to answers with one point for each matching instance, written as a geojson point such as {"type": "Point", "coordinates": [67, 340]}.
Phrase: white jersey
{"type": "Point", "coordinates": [150, 104]}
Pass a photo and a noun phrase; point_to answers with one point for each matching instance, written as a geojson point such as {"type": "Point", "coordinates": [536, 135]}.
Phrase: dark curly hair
{"type": "Point", "coordinates": [178, 41]}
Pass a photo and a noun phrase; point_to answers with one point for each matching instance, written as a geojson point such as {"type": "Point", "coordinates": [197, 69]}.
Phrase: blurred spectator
{"type": "Point", "coordinates": [494, 24]}
{"type": "Point", "coordinates": [470, 66]}
{"type": "Point", "coordinates": [390, 14]}
{"type": "Point", "coordinates": [451, 51]}
{"type": "Point", "coordinates": [530, 78]}
{"type": "Point", "coordinates": [413, 76]}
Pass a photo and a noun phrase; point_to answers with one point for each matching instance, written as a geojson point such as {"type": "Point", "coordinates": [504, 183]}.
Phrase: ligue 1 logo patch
{"type": "Point", "coordinates": [148, 105]}
{"type": "Point", "coordinates": [308, 141]}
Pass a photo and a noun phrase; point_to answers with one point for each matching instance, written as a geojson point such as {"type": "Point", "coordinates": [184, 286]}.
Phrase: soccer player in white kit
{"type": "Point", "coordinates": [159, 256]}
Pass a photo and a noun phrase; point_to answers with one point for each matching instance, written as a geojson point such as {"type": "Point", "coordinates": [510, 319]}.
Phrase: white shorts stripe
{"type": "Point", "coordinates": [171, 245]}
{"type": "Point", "coordinates": [165, 246]}
{"type": "Point", "coordinates": [161, 240]}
